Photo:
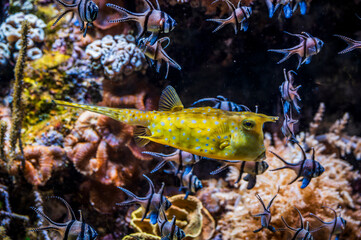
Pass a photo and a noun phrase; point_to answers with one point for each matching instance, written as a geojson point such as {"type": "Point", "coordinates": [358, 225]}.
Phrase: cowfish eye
{"type": "Point", "coordinates": [248, 124]}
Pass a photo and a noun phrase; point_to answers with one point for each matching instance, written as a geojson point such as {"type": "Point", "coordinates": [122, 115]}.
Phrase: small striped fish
{"type": "Point", "coordinates": [238, 19]}
{"type": "Point", "coordinates": [169, 230]}
{"type": "Point", "coordinates": [151, 203]}
{"type": "Point", "coordinates": [153, 20]}
{"type": "Point", "coordinates": [73, 229]}
{"type": "Point", "coordinates": [289, 92]}
{"type": "Point", "coordinates": [301, 233]}
{"type": "Point", "coordinates": [223, 103]}
{"type": "Point", "coordinates": [84, 10]}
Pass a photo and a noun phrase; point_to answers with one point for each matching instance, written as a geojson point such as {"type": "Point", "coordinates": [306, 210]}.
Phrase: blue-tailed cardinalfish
{"type": "Point", "coordinates": [305, 168]}
{"type": "Point", "coordinates": [156, 55]}
{"type": "Point", "coordinates": [153, 20]}
{"type": "Point", "coordinates": [266, 215]}
{"type": "Point", "coordinates": [169, 230]}
{"type": "Point", "coordinates": [273, 6]}
{"type": "Point", "coordinates": [223, 103]}
{"type": "Point", "coordinates": [289, 92]}
{"type": "Point", "coordinates": [288, 127]}
{"type": "Point", "coordinates": [189, 182]}
{"type": "Point", "coordinates": [183, 159]}
{"type": "Point", "coordinates": [308, 47]}
{"type": "Point", "coordinates": [352, 44]}
{"type": "Point", "coordinates": [302, 4]}
{"type": "Point", "coordinates": [203, 131]}
{"type": "Point", "coordinates": [72, 229]}
{"type": "Point", "coordinates": [150, 203]}
{"type": "Point", "coordinates": [84, 10]}
{"type": "Point", "coordinates": [239, 17]}
{"type": "Point", "coordinates": [251, 168]}
{"type": "Point", "coordinates": [335, 227]}
{"type": "Point", "coordinates": [301, 233]}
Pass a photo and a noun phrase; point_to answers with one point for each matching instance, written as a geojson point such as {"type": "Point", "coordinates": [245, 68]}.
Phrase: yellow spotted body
{"type": "Point", "coordinates": [204, 131]}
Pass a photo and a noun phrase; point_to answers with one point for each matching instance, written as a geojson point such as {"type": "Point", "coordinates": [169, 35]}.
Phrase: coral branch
{"type": "Point", "coordinates": [3, 128]}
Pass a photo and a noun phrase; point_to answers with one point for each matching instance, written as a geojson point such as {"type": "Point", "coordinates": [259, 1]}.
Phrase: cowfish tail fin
{"type": "Point", "coordinates": [352, 44]}
{"type": "Point", "coordinates": [288, 53]}
{"type": "Point", "coordinates": [110, 112]}
{"type": "Point", "coordinates": [222, 23]}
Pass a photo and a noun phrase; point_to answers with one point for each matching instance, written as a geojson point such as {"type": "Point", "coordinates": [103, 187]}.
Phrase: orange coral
{"type": "Point", "coordinates": [40, 161]}
{"type": "Point", "coordinates": [104, 149]}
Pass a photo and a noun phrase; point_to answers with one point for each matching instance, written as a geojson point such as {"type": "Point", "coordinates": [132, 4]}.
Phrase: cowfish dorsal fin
{"type": "Point", "coordinates": [140, 135]}
{"type": "Point", "coordinates": [169, 100]}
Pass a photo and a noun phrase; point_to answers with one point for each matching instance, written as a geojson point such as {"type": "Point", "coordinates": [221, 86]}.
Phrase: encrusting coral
{"type": "Point", "coordinates": [192, 218]}
{"type": "Point", "coordinates": [10, 32]}
{"type": "Point", "coordinates": [332, 189]}
{"type": "Point", "coordinates": [104, 149]}
{"type": "Point", "coordinates": [117, 56]}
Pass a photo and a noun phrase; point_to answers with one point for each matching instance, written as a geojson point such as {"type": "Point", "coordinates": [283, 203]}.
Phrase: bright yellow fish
{"type": "Point", "coordinates": [203, 131]}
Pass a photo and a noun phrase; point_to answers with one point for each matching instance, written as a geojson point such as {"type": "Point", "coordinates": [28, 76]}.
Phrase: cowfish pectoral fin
{"type": "Point", "coordinates": [141, 135]}
{"type": "Point", "coordinates": [170, 101]}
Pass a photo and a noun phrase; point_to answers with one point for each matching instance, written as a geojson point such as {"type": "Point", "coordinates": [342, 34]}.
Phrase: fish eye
{"type": "Point", "coordinates": [248, 124]}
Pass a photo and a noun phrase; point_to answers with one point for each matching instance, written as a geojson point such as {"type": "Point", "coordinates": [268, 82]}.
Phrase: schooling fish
{"type": "Point", "coordinates": [73, 229]}
{"type": "Point", "coordinates": [85, 11]}
{"type": "Point", "coordinates": [203, 131]}
{"type": "Point", "coordinates": [301, 233]}
{"type": "Point", "coordinates": [306, 168]}
{"type": "Point", "coordinates": [239, 17]}
{"type": "Point", "coordinates": [223, 103]}
{"type": "Point", "coordinates": [252, 168]}
{"type": "Point", "coordinates": [307, 47]}
{"type": "Point", "coordinates": [189, 182]}
{"type": "Point", "coordinates": [336, 226]}
{"type": "Point", "coordinates": [182, 158]}
{"type": "Point", "coordinates": [155, 52]}
{"type": "Point", "coordinates": [153, 20]}
{"type": "Point", "coordinates": [150, 203]}
{"type": "Point", "coordinates": [169, 230]}
{"type": "Point", "coordinates": [266, 215]}
{"type": "Point", "coordinates": [288, 92]}
{"type": "Point", "coordinates": [352, 44]}
{"type": "Point", "coordinates": [288, 128]}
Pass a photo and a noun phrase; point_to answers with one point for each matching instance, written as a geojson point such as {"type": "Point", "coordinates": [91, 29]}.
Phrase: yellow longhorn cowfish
{"type": "Point", "coordinates": [204, 131]}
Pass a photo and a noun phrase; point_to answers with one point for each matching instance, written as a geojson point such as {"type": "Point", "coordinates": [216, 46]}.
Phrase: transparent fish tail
{"type": "Point", "coordinates": [352, 44]}
{"type": "Point", "coordinates": [51, 224]}
{"type": "Point", "coordinates": [222, 23]}
{"type": "Point", "coordinates": [287, 53]}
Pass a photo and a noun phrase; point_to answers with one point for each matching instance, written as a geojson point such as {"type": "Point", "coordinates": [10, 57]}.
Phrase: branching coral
{"type": "Point", "coordinates": [192, 217]}
{"type": "Point", "coordinates": [331, 189]}
{"type": "Point", "coordinates": [11, 33]}
{"type": "Point", "coordinates": [104, 149]}
{"type": "Point", "coordinates": [117, 56]}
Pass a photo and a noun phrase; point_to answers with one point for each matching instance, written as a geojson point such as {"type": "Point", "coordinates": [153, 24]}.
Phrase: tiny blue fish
{"type": "Point", "coordinates": [305, 168]}
{"type": "Point", "coordinates": [308, 47]}
{"type": "Point", "coordinates": [73, 229]}
{"type": "Point", "coordinates": [335, 227]}
{"type": "Point", "coordinates": [151, 203]}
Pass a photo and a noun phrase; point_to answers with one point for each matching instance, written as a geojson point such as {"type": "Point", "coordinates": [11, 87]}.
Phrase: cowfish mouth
{"type": "Point", "coordinates": [263, 117]}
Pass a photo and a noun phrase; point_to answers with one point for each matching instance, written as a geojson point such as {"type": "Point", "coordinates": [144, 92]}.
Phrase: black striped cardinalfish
{"type": "Point", "coordinates": [203, 131]}
{"type": "Point", "coordinates": [223, 103]}
{"type": "Point", "coordinates": [266, 215]}
{"type": "Point", "coordinates": [150, 203]}
{"type": "Point", "coordinates": [84, 10]}
{"type": "Point", "coordinates": [289, 92]}
{"type": "Point", "coordinates": [73, 229]}
{"type": "Point", "coordinates": [169, 230]}
{"type": "Point", "coordinates": [308, 47]}
{"type": "Point", "coordinates": [238, 19]}
{"type": "Point", "coordinates": [182, 158]}
{"type": "Point", "coordinates": [335, 227]}
{"type": "Point", "coordinates": [153, 20]}
{"type": "Point", "coordinates": [305, 168]}
{"type": "Point", "coordinates": [301, 233]}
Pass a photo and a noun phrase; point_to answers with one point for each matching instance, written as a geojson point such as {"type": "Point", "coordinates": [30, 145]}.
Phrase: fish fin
{"type": "Point", "coordinates": [188, 169]}
{"type": "Point", "coordinates": [219, 132]}
{"type": "Point", "coordinates": [220, 169]}
{"type": "Point", "coordinates": [257, 230]}
{"type": "Point", "coordinates": [61, 16]}
{"type": "Point", "coordinates": [186, 196]}
{"type": "Point", "coordinates": [214, 100]}
{"type": "Point", "coordinates": [305, 182]}
{"type": "Point", "coordinates": [222, 23]}
{"type": "Point", "coordinates": [244, 26]}
{"type": "Point", "coordinates": [352, 44]}
{"type": "Point", "coordinates": [287, 11]}
{"type": "Point", "coordinates": [299, 61]}
{"type": "Point", "coordinates": [67, 4]}
{"type": "Point", "coordinates": [80, 216]}
{"type": "Point", "coordinates": [171, 61]}
{"type": "Point", "coordinates": [169, 100]}
{"type": "Point", "coordinates": [287, 52]}
{"type": "Point", "coordinates": [153, 218]}
{"type": "Point", "coordinates": [286, 107]}
{"type": "Point", "coordinates": [132, 198]}
{"type": "Point", "coordinates": [141, 135]}
{"type": "Point", "coordinates": [52, 225]}
{"type": "Point", "coordinates": [68, 207]}
{"type": "Point", "coordinates": [307, 60]}
{"type": "Point", "coordinates": [252, 180]}
{"type": "Point", "coordinates": [271, 228]}
{"type": "Point", "coordinates": [303, 7]}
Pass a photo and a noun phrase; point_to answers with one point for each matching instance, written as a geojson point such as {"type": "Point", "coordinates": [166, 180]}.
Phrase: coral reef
{"type": "Point", "coordinates": [117, 56]}
{"type": "Point", "coordinates": [11, 35]}
{"type": "Point", "coordinates": [192, 217]}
